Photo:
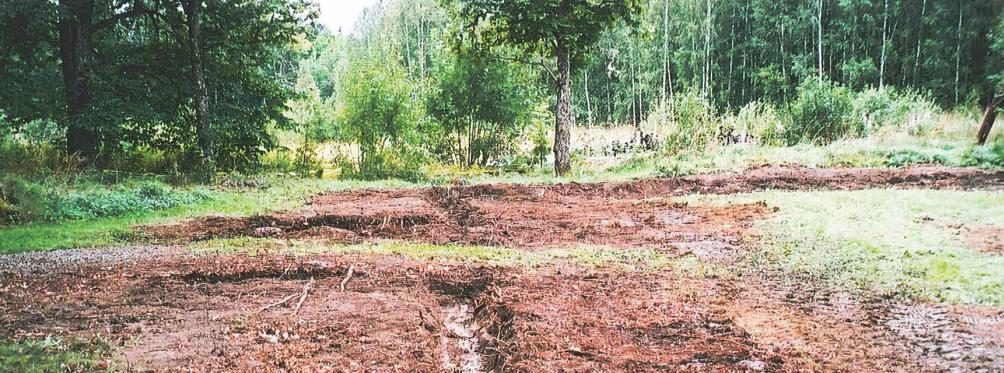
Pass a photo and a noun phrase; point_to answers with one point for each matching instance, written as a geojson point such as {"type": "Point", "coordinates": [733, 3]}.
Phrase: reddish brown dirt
{"type": "Point", "coordinates": [986, 238]}
{"type": "Point", "coordinates": [204, 314]}
{"type": "Point", "coordinates": [176, 312]}
{"type": "Point", "coordinates": [627, 214]}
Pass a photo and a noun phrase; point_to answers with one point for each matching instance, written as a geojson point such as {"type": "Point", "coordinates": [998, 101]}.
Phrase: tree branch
{"type": "Point", "coordinates": [539, 63]}
{"type": "Point", "coordinates": [121, 16]}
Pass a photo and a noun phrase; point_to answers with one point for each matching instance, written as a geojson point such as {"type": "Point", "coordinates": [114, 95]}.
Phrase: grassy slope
{"type": "Point", "coordinates": [283, 194]}
{"type": "Point", "coordinates": [901, 241]}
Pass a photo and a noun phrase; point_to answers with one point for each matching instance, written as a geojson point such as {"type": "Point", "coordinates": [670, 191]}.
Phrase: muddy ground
{"type": "Point", "coordinates": [164, 309]}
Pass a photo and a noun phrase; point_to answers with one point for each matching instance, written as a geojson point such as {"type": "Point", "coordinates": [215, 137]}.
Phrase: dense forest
{"type": "Point", "coordinates": [207, 86]}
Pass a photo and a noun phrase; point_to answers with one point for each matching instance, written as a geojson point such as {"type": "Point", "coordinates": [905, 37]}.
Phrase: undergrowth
{"type": "Point", "coordinates": [53, 354]}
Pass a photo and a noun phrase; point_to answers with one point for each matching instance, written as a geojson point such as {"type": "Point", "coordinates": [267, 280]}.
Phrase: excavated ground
{"type": "Point", "coordinates": [164, 309]}
{"type": "Point", "coordinates": [625, 214]}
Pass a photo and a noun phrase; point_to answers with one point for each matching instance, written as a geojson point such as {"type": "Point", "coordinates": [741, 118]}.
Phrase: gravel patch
{"type": "Point", "coordinates": [62, 260]}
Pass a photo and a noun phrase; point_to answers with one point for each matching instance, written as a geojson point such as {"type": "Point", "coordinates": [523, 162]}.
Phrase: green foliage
{"type": "Point", "coordinates": [692, 122]}
{"type": "Point", "coordinates": [822, 113]}
{"type": "Point", "coordinates": [55, 201]}
{"type": "Point", "coordinates": [989, 156]}
{"type": "Point", "coordinates": [479, 108]}
{"type": "Point", "coordinates": [137, 80]}
{"type": "Point", "coordinates": [675, 169]}
{"type": "Point", "coordinates": [378, 113]}
{"type": "Point", "coordinates": [539, 26]}
{"type": "Point", "coordinates": [911, 157]}
{"type": "Point", "coordinates": [996, 60]}
{"type": "Point", "coordinates": [878, 108]}
{"type": "Point", "coordinates": [756, 122]}
{"type": "Point", "coordinates": [52, 355]}
{"type": "Point", "coordinates": [35, 160]}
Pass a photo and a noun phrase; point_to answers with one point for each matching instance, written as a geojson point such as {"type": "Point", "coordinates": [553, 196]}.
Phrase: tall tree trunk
{"type": "Point", "coordinates": [958, 52]}
{"type": "Point", "coordinates": [665, 51]}
{"type": "Point", "coordinates": [563, 113]}
{"type": "Point", "coordinates": [989, 116]}
{"type": "Point", "coordinates": [202, 127]}
{"type": "Point", "coordinates": [589, 106]}
{"type": "Point", "coordinates": [819, 40]}
{"type": "Point", "coordinates": [885, 21]}
{"type": "Point", "coordinates": [75, 29]}
{"type": "Point", "coordinates": [920, 39]}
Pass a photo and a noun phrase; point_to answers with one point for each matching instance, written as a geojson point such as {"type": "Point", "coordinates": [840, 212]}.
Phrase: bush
{"type": "Point", "coordinates": [822, 113]}
{"type": "Point", "coordinates": [878, 108]}
{"type": "Point", "coordinates": [379, 114]}
{"type": "Point", "coordinates": [756, 122]}
{"type": "Point", "coordinates": [675, 169]}
{"type": "Point", "coordinates": [991, 156]}
{"type": "Point", "coordinates": [31, 159]}
{"type": "Point", "coordinates": [690, 120]}
{"type": "Point", "coordinates": [31, 201]}
{"type": "Point", "coordinates": [900, 158]}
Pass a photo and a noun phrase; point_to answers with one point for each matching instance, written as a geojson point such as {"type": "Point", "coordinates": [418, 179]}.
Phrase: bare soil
{"type": "Point", "coordinates": [626, 214]}
{"type": "Point", "coordinates": [167, 310]}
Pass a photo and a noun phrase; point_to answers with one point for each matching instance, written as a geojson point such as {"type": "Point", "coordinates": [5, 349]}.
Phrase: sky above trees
{"type": "Point", "coordinates": [341, 14]}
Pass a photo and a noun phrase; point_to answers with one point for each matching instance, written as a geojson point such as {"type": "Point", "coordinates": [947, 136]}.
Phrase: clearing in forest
{"type": "Point", "coordinates": [609, 276]}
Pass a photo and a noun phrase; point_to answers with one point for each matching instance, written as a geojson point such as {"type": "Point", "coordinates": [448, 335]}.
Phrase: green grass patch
{"type": "Point", "coordinates": [594, 256]}
{"type": "Point", "coordinates": [51, 355]}
{"type": "Point", "coordinates": [280, 195]}
{"type": "Point", "coordinates": [906, 242]}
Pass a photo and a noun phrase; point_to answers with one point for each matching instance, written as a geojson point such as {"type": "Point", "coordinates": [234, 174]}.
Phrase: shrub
{"type": "Point", "coordinates": [822, 113]}
{"type": "Point", "coordinates": [878, 108]}
{"type": "Point", "coordinates": [991, 156]}
{"type": "Point", "coordinates": [35, 159]}
{"type": "Point", "coordinates": [900, 158]}
{"type": "Point", "coordinates": [32, 201]}
{"type": "Point", "coordinates": [379, 114]}
{"type": "Point", "coordinates": [675, 169]}
{"type": "Point", "coordinates": [690, 120]}
{"type": "Point", "coordinates": [756, 122]}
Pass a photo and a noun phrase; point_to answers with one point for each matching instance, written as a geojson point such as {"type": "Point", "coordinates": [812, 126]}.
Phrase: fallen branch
{"type": "Point", "coordinates": [348, 276]}
{"type": "Point", "coordinates": [284, 300]}
{"type": "Point", "coordinates": [303, 297]}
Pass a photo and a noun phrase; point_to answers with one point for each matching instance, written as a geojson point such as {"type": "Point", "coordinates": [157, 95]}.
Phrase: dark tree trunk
{"type": "Point", "coordinates": [75, 28]}
{"type": "Point", "coordinates": [202, 129]}
{"type": "Point", "coordinates": [564, 120]}
{"type": "Point", "coordinates": [989, 116]}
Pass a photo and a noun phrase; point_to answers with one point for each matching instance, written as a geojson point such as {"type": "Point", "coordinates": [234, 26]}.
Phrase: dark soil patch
{"type": "Point", "coordinates": [628, 214]}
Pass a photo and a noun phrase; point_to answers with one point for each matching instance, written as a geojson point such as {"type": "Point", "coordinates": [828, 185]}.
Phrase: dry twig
{"type": "Point", "coordinates": [348, 276]}
{"type": "Point", "coordinates": [303, 296]}
{"type": "Point", "coordinates": [284, 300]}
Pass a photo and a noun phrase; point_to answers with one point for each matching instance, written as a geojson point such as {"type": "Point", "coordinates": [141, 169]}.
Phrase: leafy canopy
{"type": "Point", "coordinates": [537, 25]}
